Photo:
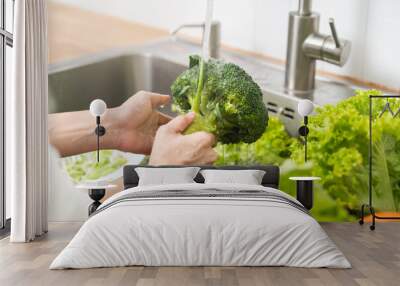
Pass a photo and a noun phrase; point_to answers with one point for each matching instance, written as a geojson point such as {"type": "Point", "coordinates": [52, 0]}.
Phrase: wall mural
{"type": "Point", "coordinates": [337, 141]}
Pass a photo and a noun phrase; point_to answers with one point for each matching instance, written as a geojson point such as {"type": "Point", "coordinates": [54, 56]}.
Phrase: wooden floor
{"type": "Point", "coordinates": [375, 257]}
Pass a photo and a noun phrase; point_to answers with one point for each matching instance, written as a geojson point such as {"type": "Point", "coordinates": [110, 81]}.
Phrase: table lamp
{"type": "Point", "coordinates": [305, 108]}
{"type": "Point", "coordinates": [97, 108]}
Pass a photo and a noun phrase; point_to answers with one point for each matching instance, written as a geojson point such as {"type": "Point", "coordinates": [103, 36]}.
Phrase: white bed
{"type": "Point", "coordinates": [185, 230]}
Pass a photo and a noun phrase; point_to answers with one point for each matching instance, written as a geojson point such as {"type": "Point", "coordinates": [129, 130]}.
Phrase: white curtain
{"type": "Point", "coordinates": [26, 122]}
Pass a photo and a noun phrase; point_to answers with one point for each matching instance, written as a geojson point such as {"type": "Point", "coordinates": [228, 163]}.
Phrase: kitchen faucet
{"type": "Point", "coordinates": [214, 45]}
{"type": "Point", "coordinates": [306, 45]}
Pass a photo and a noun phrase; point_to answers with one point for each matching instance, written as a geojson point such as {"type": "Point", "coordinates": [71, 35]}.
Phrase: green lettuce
{"type": "Point", "coordinates": [338, 149]}
{"type": "Point", "coordinates": [275, 147]}
{"type": "Point", "coordinates": [84, 167]}
{"type": "Point", "coordinates": [338, 153]}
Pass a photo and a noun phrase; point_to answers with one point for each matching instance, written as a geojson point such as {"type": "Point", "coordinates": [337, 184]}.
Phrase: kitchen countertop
{"type": "Point", "coordinates": [74, 33]}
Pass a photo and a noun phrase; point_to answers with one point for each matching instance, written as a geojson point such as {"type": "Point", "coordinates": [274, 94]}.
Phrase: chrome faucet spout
{"type": "Point", "coordinates": [306, 45]}
{"type": "Point", "coordinates": [184, 26]}
{"type": "Point", "coordinates": [214, 45]}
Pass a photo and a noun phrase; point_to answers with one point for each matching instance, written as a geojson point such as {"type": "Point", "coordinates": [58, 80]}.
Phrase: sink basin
{"type": "Point", "coordinates": [113, 80]}
{"type": "Point", "coordinates": [116, 75]}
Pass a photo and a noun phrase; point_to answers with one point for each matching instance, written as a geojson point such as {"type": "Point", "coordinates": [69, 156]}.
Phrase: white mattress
{"type": "Point", "coordinates": [202, 231]}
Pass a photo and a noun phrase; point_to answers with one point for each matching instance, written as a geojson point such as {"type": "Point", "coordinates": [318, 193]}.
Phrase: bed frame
{"type": "Point", "coordinates": [270, 179]}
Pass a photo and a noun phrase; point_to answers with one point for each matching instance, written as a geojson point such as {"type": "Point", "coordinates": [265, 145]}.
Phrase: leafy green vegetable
{"type": "Point", "coordinates": [227, 101]}
{"type": "Point", "coordinates": [274, 147]}
{"type": "Point", "coordinates": [85, 167]}
{"type": "Point", "coordinates": [338, 148]}
{"type": "Point", "coordinates": [338, 153]}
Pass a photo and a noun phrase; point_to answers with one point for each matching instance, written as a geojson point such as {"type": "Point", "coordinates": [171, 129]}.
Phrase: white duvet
{"type": "Point", "coordinates": [200, 231]}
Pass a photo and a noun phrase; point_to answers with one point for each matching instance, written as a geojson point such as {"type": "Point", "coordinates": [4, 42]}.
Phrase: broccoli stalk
{"type": "Point", "coordinates": [200, 123]}
{"type": "Point", "coordinates": [200, 84]}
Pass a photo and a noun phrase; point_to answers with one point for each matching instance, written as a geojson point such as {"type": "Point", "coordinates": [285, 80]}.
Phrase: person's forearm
{"type": "Point", "coordinates": [72, 133]}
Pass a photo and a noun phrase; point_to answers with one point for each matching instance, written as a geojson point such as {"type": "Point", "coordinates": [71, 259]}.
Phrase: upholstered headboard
{"type": "Point", "coordinates": [271, 177]}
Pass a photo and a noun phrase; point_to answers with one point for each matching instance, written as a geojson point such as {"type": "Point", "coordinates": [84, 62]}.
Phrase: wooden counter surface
{"type": "Point", "coordinates": [73, 32]}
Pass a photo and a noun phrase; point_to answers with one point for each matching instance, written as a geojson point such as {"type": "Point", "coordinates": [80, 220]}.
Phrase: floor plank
{"type": "Point", "coordinates": [375, 257]}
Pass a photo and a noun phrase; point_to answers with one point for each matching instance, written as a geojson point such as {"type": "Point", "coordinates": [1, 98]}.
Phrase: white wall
{"type": "Point", "coordinates": [261, 25]}
{"type": "Point", "coordinates": [65, 202]}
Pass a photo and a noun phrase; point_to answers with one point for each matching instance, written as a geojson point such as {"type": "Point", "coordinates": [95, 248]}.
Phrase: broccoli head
{"type": "Point", "coordinates": [227, 101]}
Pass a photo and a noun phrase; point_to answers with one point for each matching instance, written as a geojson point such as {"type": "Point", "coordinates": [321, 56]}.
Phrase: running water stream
{"type": "Point", "coordinates": [205, 56]}
{"type": "Point", "coordinates": [204, 59]}
{"type": "Point", "coordinates": [207, 29]}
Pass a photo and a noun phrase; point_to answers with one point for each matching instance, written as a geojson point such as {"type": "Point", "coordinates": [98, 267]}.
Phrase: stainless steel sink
{"type": "Point", "coordinates": [116, 75]}
{"type": "Point", "coordinates": [114, 80]}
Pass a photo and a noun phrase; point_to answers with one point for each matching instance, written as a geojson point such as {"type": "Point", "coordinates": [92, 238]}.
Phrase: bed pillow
{"type": "Point", "coordinates": [166, 176]}
{"type": "Point", "coordinates": [247, 177]}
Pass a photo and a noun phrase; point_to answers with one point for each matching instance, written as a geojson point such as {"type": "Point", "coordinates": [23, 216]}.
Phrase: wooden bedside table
{"type": "Point", "coordinates": [304, 190]}
{"type": "Point", "coordinates": [96, 193]}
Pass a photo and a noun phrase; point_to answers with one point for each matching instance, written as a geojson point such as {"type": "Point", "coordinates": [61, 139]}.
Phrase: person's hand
{"type": "Point", "coordinates": [135, 122]}
{"type": "Point", "coordinates": [172, 148]}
